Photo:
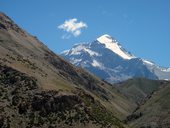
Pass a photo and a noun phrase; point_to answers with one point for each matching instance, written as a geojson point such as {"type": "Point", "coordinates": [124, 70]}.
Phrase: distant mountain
{"type": "Point", "coordinates": [107, 59]}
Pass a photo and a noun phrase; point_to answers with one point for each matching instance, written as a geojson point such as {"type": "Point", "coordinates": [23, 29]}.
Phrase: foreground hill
{"type": "Point", "coordinates": [152, 98]}
{"type": "Point", "coordinates": [155, 112]}
{"type": "Point", "coordinates": [24, 104]}
{"type": "Point", "coordinates": [138, 89]}
{"type": "Point", "coordinates": [40, 89]}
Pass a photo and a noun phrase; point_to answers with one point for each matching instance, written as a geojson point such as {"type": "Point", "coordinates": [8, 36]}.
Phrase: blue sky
{"type": "Point", "coordinates": [141, 26]}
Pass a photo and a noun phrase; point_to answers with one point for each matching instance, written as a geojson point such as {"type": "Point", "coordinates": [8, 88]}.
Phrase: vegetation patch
{"type": "Point", "coordinates": [24, 104]}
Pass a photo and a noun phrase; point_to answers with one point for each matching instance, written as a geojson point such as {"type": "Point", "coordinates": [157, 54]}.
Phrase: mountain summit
{"type": "Point", "coordinates": [114, 46]}
{"type": "Point", "coordinates": [107, 59]}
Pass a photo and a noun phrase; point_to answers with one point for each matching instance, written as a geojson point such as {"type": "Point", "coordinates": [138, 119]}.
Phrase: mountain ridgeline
{"type": "Point", "coordinates": [107, 59]}
{"type": "Point", "coordinates": [39, 89]}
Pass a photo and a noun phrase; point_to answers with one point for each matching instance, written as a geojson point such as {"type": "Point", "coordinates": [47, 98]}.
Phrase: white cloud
{"type": "Point", "coordinates": [73, 27]}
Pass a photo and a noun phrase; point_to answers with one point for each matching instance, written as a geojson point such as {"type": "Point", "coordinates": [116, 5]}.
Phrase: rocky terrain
{"type": "Point", "coordinates": [23, 104]}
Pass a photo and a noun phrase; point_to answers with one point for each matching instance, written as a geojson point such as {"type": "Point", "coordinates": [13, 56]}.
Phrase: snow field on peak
{"type": "Point", "coordinates": [114, 46]}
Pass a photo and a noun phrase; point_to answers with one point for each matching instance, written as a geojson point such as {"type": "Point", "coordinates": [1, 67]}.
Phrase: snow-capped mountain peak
{"type": "Point", "coordinates": [105, 39]}
{"type": "Point", "coordinates": [107, 59]}
{"type": "Point", "coordinates": [114, 46]}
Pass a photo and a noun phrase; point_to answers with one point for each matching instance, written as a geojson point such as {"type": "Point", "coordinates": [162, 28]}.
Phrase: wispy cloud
{"type": "Point", "coordinates": [72, 27]}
